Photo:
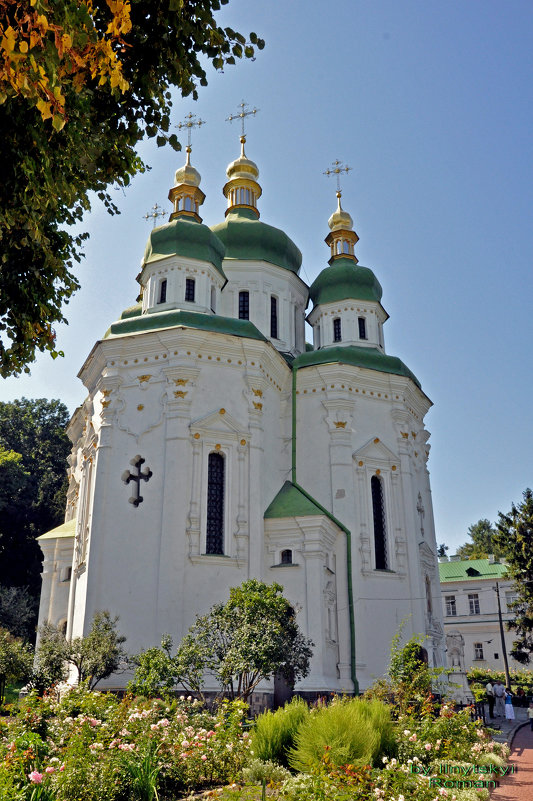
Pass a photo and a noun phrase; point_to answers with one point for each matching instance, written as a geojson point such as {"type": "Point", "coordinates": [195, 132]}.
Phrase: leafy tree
{"type": "Point", "coordinates": [33, 451]}
{"type": "Point", "coordinates": [104, 72]}
{"type": "Point", "coordinates": [441, 549]}
{"type": "Point", "coordinates": [16, 659]}
{"type": "Point", "coordinates": [515, 539]}
{"type": "Point", "coordinates": [18, 610]}
{"type": "Point", "coordinates": [94, 657]}
{"type": "Point", "coordinates": [482, 535]}
{"type": "Point", "coordinates": [251, 637]}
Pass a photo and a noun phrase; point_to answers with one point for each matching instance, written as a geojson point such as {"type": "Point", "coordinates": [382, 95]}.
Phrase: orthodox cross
{"type": "Point", "coordinates": [155, 212]}
{"type": "Point", "coordinates": [189, 123]}
{"type": "Point", "coordinates": [421, 511]}
{"type": "Point", "coordinates": [241, 115]}
{"type": "Point", "coordinates": [337, 167]}
{"type": "Point", "coordinates": [128, 476]}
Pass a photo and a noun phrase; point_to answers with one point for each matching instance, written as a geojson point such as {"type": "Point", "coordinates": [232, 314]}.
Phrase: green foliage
{"type": "Point", "coordinates": [515, 537]}
{"type": "Point", "coordinates": [250, 638]}
{"type": "Point", "coordinates": [274, 732]}
{"type": "Point", "coordinates": [519, 678]}
{"type": "Point", "coordinates": [95, 656]}
{"type": "Point", "coordinates": [257, 772]}
{"type": "Point", "coordinates": [16, 660]}
{"type": "Point", "coordinates": [355, 732]}
{"type": "Point", "coordinates": [483, 542]}
{"type": "Point", "coordinates": [48, 174]}
{"type": "Point", "coordinates": [33, 453]}
{"type": "Point", "coordinates": [18, 609]}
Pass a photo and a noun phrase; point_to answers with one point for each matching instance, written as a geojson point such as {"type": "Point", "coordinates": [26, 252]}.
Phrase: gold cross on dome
{"type": "Point", "coordinates": [337, 167]}
{"type": "Point", "coordinates": [243, 113]}
{"type": "Point", "coordinates": [155, 212]}
{"type": "Point", "coordinates": [189, 123]}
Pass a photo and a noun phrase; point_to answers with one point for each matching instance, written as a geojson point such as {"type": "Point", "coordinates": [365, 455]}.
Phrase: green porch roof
{"type": "Point", "coordinates": [370, 358]}
{"type": "Point", "coordinates": [176, 318]}
{"type": "Point", "coordinates": [67, 529]}
{"type": "Point", "coordinates": [291, 502]}
{"type": "Point", "coordinates": [478, 569]}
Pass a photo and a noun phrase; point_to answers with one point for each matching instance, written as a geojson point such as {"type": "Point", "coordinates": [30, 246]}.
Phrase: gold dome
{"type": "Point", "coordinates": [340, 220]}
{"type": "Point", "coordinates": [243, 167]}
{"type": "Point", "coordinates": [187, 174]}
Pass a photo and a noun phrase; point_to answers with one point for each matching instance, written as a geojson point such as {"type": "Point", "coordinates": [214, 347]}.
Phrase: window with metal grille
{"type": "Point", "coordinates": [273, 317]}
{"type": "Point", "coordinates": [189, 289]}
{"type": "Point", "coordinates": [473, 602]}
{"type": "Point", "coordinates": [286, 557]}
{"type": "Point", "coordinates": [215, 504]}
{"type": "Point", "coordinates": [451, 609]}
{"type": "Point", "coordinates": [337, 329]}
{"type": "Point", "coordinates": [163, 291]}
{"type": "Point", "coordinates": [478, 650]}
{"type": "Point", "coordinates": [361, 321]}
{"type": "Point", "coordinates": [380, 532]}
{"type": "Point", "coordinates": [244, 305]}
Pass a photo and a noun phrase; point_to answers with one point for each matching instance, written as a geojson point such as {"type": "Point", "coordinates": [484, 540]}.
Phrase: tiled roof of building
{"type": "Point", "coordinates": [471, 569]}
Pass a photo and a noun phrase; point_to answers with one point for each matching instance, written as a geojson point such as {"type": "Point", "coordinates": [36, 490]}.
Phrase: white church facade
{"type": "Point", "coordinates": [214, 446]}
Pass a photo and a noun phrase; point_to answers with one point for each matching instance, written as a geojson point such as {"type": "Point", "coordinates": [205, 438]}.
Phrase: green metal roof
{"type": "Point", "coordinates": [291, 502]}
{"type": "Point", "coordinates": [479, 569]}
{"type": "Point", "coordinates": [184, 236]}
{"type": "Point", "coordinates": [176, 318]}
{"type": "Point", "coordinates": [344, 280]}
{"type": "Point", "coordinates": [246, 237]}
{"type": "Point", "coordinates": [67, 529]}
{"type": "Point", "coordinates": [370, 358]}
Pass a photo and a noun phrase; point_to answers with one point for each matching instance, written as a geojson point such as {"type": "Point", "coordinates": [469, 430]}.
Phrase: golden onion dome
{"type": "Point", "coordinates": [243, 167]}
{"type": "Point", "coordinates": [340, 220]}
{"type": "Point", "coordinates": [187, 174]}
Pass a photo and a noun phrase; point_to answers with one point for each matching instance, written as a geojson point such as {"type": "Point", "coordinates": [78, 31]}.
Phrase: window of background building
{"type": "Point", "coordinates": [473, 603]}
{"type": "Point", "coordinates": [478, 650]}
{"type": "Point", "coordinates": [451, 609]}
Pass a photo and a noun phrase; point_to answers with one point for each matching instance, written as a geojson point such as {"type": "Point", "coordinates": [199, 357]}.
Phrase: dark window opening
{"type": "Point", "coordinates": [380, 534]}
{"type": "Point", "coordinates": [189, 289]}
{"type": "Point", "coordinates": [337, 329]}
{"type": "Point", "coordinates": [274, 317]}
{"type": "Point", "coordinates": [215, 504]}
{"type": "Point", "coordinates": [213, 299]}
{"type": "Point", "coordinates": [244, 305]}
{"type": "Point", "coordinates": [286, 557]}
{"type": "Point", "coordinates": [163, 291]}
{"type": "Point", "coordinates": [362, 327]}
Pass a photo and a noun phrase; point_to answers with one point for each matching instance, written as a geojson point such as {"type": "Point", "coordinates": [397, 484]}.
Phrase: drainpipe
{"type": "Point", "coordinates": [339, 524]}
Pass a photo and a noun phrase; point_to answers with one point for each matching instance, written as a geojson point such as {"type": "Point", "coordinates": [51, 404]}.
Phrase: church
{"type": "Point", "coordinates": [216, 445]}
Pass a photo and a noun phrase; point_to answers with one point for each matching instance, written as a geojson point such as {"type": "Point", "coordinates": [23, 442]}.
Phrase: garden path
{"type": "Point", "coordinates": [519, 786]}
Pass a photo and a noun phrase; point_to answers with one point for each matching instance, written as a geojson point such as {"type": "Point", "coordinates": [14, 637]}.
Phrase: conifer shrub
{"type": "Point", "coordinates": [351, 731]}
{"type": "Point", "coordinates": [274, 733]}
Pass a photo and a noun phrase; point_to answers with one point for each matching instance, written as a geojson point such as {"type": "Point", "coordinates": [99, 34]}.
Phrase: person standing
{"type": "Point", "coordinates": [499, 694]}
{"type": "Point", "coordinates": [489, 690]}
{"type": "Point", "coordinates": [509, 711]}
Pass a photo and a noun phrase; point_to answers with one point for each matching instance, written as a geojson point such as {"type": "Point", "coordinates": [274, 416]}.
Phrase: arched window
{"type": "Point", "coordinates": [345, 246]}
{"type": "Point", "coordinates": [163, 291]}
{"type": "Point", "coordinates": [189, 289]}
{"type": "Point", "coordinates": [337, 335]}
{"type": "Point", "coordinates": [188, 203]}
{"type": "Point", "coordinates": [244, 305]}
{"type": "Point", "coordinates": [362, 327]}
{"type": "Point", "coordinates": [273, 317]}
{"type": "Point", "coordinates": [215, 504]}
{"type": "Point", "coordinates": [380, 531]}
{"type": "Point", "coordinates": [429, 602]}
{"type": "Point", "coordinates": [286, 557]}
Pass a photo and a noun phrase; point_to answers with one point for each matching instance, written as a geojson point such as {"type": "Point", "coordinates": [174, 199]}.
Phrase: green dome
{"type": "Point", "coordinates": [345, 280]}
{"type": "Point", "coordinates": [185, 237]}
{"type": "Point", "coordinates": [246, 237]}
{"type": "Point", "coordinates": [357, 356]}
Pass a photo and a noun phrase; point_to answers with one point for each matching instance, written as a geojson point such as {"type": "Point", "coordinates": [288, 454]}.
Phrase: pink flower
{"type": "Point", "coordinates": [35, 777]}
{"type": "Point", "coordinates": [412, 738]}
{"type": "Point", "coordinates": [62, 767]}
{"type": "Point", "coordinates": [203, 757]}
{"type": "Point", "coordinates": [428, 746]}
{"type": "Point", "coordinates": [50, 770]}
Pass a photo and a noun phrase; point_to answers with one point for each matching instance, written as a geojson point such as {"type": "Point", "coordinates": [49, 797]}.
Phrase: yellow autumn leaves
{"type": "Point", "coordinates": [46, 47]}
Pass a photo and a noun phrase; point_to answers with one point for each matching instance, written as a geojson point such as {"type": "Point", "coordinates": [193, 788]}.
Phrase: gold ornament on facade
{"type": "Point", "coordinates": [393, 467]}
{"type": "Point", "coordinates": [243, 442]}
{"type": "Point", "coordinates": [142, 378]}
{"type": "Point", "coordinates": [222, 411]}
{"type": "Point", "coordinates": [258, 406]}
{"type": "Point", "coordinates": [179, 393]}
{"type": "Point", "coordinates": [105, 404]}
{"type": "Point", "coordinates": [360, 464]}
{"type": "Point", "coordinates": [140, 407]}
{"type": "Point", "coordinates": [340, 423]}
{"type": "Point", "coordinates": [181, 382]}
{"type": "Point", "coordinates": [217, 447]}
{"type": "Point", "coordinates": [258, 392]}
{"type": "Point", "coordinates": [405, 435]}
{"type": "Point", "coordinates": [196, 436]}
{"type": "Point", "coordinates": [376, 440]}
{"type": "Point", "coordinates": [378, 472]}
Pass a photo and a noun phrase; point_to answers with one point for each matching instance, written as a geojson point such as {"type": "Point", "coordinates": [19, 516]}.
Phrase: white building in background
{"type": "Point", "coordinates": [470, 609]}
{"type": "Point", "coordinates": [215, 446]}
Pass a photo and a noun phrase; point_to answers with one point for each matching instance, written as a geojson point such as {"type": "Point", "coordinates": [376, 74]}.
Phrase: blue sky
{"type": "Point", "coordinates": [431, 104]}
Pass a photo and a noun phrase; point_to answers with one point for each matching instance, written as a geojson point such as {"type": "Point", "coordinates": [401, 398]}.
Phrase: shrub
{"type": "Point", "coordinates": [257, 771]}
{"type": "Point", "coordinates": [354, 731]}
{"type": "Point", "coordinates": [274, 733]}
